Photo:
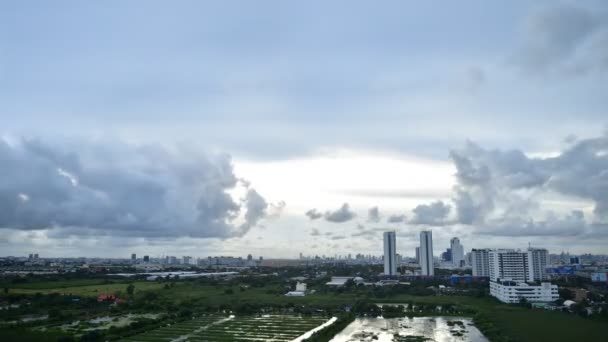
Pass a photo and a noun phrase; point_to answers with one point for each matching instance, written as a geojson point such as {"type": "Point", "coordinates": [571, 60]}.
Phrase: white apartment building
{"type": "Point", "coordinates": [513, 292]}
{"type": "Point", "coordinates": [426, 253]}
{"type": "Point", "coordinates": [508, 264]}
{"type": "Point", "coordinates": [538, 259]}
{"type": "Point", "coordinates": [457, 252]}
{"type": "Point", "coordinates": [480, 262]}
{"type": "Point", "coordinates": [390, 254]}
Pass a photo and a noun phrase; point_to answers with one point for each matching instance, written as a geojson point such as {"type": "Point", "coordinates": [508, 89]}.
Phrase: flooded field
{"type": "Point", "coordinates": [417, 329]}
{"type": "Point", "coordinates": [277, 328]}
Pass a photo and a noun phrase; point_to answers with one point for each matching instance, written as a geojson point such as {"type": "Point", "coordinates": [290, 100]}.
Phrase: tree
{"type": "Point", "coordinates": [130, 289]}
{"type": "Point", "coordinates": [6, 290]}
{"type": "Point", "coordinates": [565, 293]}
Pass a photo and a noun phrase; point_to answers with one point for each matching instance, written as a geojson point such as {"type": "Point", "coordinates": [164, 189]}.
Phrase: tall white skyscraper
{"type": "Point", "coordinates": [508, 264]}
{"type": "Point", "coordinates": [457, 252]}
{"type": "Point", "coordinates": [426, 253]}
{"type": "Point", "coordinates": [538, 258]}
{"type": "Point", "coordinates": [480, 262]}
{"type": "Point", "coordinates": [390, 254]}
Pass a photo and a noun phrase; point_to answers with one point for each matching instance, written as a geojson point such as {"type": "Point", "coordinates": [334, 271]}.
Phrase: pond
{"type": "Point", "coordinates": [416, 329]}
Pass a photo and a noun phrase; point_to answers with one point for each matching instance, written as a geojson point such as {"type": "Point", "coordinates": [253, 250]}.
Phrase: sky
{"type": "Point", "coordinates": [274, 127]}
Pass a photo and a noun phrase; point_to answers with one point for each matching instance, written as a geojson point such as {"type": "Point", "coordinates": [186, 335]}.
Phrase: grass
{"type": "Point", "coordinates": [539, 325]}
{"type": "Point", "coordinates": [42, 285]}
{"type": "Point", "coordinates": [521, 323]}
{"type": "Point", "coordinates": [89, 290]}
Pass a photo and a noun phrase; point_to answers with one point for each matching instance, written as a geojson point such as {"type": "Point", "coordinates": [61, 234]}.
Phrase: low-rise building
{"type": "Point", "coordinates": [338, 281]}
{"type": "Point", "coordinates": [599, 277]}
{"type": "Point", "coordinates": [508, 291]}
{"type": "Point", "coordinates": [299, 292]}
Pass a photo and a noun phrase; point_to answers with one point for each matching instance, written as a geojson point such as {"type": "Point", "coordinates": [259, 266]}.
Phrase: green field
{"type": "Point", "coordinates": [246, 328]}
{"type": "Point", "coordinates": [67, 287]}
{"type": "Point", "coordinates": [521, 323]}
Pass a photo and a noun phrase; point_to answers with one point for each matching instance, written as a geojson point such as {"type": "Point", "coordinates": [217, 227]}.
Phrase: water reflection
{"type": "Point", "coordinates": [439, 329]}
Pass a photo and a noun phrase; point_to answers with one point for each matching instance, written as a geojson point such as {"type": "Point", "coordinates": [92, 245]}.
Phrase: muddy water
{"type": "Point", "coordinates": [432, 328]}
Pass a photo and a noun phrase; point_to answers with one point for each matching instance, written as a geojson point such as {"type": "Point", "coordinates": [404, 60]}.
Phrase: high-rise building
{"type": "Point", "coordinates": [146, 258]}
{"type": "Point", "coordinates": [457, 252]}
{"type": "Point", "coordinates": [417, 255]}
{"type": "Point", "coordinates": [538, 259]}
{"type": "Point", "coordinates": [480, 262]}
{"type": "Point", "coordinates": [187, 260]}
{"type": "Point", "coordinates": [133, 258]}
{"type": "Point", "coordinates": [426, 253]}
{"type": "Point", "coordinates": [508, 264]}
{"type": "Point", "coordinates": [390, 254]}
{"type": "Point", "coordinates": [447, 255]}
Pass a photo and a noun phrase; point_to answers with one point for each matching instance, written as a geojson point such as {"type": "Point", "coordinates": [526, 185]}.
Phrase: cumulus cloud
{"type": "Point", "coordinates": [581, 171]}
{"type": "Point", "coordinates": [340, 215]}
{"type": "Point", "coordinates": [313, 214]}
{"type": "Point", "coordinates": [276, 209]}
{"type": "Point", "coordinates": [570, 225]}
{"type": "Point", "coordinates": [373, 214]}
{"type": "Point", "coordinates": [121, 189]}
{"type": "Point", "coordinates": [315, 232]}
{"type": "Point", "coordinates": [396, 218]}
{"type": "Point", "coordinates": [367, 234]}
{"type": "Point", "coordinates": [502, 192]}
{"type": "Point", "coordinates": [431, 214]}
{"type": "Point", "coordinates": [565, 38]}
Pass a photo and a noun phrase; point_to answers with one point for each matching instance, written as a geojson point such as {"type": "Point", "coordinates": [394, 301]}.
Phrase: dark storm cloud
{"type": "Point", "coordinates": [431, 214]}
{"type": "Point", "coordinates": [313, 214]}
{"type": "Point", "coordinates": [149, 191]}
{"type": "Point", "coordinates": [340, 215]}
{"type": "Point", "coordinates": [396, 218]}
{"type": "Point", "coordinates": [373, 214]}
{"type": "Point", "coordinates": [565, 38]}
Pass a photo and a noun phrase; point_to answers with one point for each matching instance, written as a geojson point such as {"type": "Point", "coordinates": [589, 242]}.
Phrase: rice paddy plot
{"type": "Point", "coordinates": [276, 328]}
{"type": "Point", "coordinates": [266, 328]}
{"type": "Point", "coordinates": [178, 331]}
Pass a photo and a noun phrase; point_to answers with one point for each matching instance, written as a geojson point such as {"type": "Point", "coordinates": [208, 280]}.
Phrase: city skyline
{"type": "Point", "coordinates": [219, 132]}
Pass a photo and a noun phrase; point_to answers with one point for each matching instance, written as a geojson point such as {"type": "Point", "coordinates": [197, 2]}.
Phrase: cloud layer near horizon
{"type": "Point", "coordinates": [93, 188]}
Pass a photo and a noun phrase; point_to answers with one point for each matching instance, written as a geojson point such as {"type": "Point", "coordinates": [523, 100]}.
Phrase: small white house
{"type": "Point", "coordinates": [299, 292]}
{"type": "Point", "coordinates": [301, 287]}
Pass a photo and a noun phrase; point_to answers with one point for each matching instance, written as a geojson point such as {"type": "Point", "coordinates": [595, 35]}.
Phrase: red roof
{"type": "Point", "coordinates": [106, 297]}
